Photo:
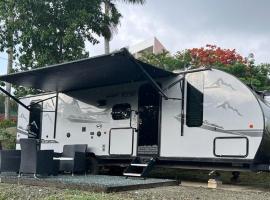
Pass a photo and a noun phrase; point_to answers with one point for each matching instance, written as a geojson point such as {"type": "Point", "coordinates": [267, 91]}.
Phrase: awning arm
{"type": "Point", "coordinates": [14, 98]}
{"type": "Point", "coordinates": [184, 73]}
{"type": "Point", "coordinates": [146, 75]}
{"type": "Point", "coordinates": [193, 70]}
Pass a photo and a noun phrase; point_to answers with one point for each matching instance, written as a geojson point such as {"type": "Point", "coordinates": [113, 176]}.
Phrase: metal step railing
{"type": "Point", "coordinates": [140, 167]}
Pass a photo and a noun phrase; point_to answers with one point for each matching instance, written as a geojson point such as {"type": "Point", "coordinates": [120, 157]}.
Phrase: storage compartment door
{"type": "Point", "coordinates": [121, 141]}
{"type": "Point", "coordinates": [231, 147]}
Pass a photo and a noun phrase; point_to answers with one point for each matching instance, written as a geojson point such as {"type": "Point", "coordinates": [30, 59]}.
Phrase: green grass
{"type": "Point", "coordinates": [23, 192]}
{"type": "Point", "coordinates": [79, 195]}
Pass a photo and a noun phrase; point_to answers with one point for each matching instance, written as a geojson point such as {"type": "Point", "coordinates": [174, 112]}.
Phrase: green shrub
{"type": "Point", "coordinates": [7, 123]}
{"type": "Point", "coordinates": [8, 138]}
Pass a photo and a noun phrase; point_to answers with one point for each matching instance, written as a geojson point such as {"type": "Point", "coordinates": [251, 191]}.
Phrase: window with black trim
{"type": "Point", "coordinates": [121, 111]}
{"type": "Point", "coordinates": [194, 108]}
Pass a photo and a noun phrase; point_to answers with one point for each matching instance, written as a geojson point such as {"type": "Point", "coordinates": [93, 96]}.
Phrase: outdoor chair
{"type": "Point", "coordinates": [73, 158]}
{"type": "Point", "coordinates": [10, 160]}
{"type": "Point", "coordinates": [35, 161]}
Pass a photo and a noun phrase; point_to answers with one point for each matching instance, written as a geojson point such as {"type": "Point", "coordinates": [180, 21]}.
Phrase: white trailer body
{"type": "Point", "coordinates": [208, 117]}
{"type": "Point", "coordinates": [233, 122]}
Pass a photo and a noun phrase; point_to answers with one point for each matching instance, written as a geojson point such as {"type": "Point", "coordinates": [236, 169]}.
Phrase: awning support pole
{"type": "Point", "coordinates": [14, 98]}
{"type": "Point", "coordinates": [147, 76]}
{"type": "Point", "coordinates": [37, 102]}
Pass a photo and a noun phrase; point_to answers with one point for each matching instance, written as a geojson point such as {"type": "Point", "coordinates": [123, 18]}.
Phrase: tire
{"type": "Point", "coordinates": [235, 177]}
{"type": "Point", "coordinates": [93, 167]}
{"type": "Point", "coordinates": [116, 170]}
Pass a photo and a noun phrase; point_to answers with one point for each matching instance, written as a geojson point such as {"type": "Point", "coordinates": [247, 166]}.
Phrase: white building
{"type": "Point", "coordinates": [152, 45]}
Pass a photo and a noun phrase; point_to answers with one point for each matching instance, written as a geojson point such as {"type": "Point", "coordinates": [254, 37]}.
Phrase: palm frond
{"type": "Point", "coordinates": [115, 16]}
{"type": "Point", "coordinates": [134, 1]}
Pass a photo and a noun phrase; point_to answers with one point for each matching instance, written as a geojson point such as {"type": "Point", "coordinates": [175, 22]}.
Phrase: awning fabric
{"type": "Point", "coordinates": [111, 69]}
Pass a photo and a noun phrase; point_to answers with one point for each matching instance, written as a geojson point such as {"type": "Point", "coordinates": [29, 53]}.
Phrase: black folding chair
{"type": "Point", "coordinates": [34, 161]}
{"type": "Point", "coordinates": [10, 160]}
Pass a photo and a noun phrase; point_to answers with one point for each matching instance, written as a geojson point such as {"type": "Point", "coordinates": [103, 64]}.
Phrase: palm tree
{"type": "Point", "coordinates": [10, 31]}
{"type": "Point", "coordinates": [112, 12]}
{"type": "Point", "coordinates": [8, 85]}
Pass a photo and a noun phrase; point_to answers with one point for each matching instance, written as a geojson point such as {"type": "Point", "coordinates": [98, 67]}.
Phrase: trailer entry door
{"type": "Point", "coordinates": [148, 126]}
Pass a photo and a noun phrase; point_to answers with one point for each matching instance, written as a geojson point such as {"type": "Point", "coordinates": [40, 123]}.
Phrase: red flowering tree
{"type": "Point", "coordinates": [211, 55]}
{"type": "Point", "coordinates": [215, 57]}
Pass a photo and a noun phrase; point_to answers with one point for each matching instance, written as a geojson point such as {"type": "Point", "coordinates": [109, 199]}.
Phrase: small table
{"type": "Point", "coordinates": [56, 163]}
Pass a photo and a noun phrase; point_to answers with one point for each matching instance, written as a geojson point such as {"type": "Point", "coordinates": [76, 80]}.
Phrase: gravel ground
{"type": "Point", "coordinates": [20, 192]}
{"type": "Point", "coordinates": [103, 180]}
{"type": "Point", "coordinates": [190, 193]}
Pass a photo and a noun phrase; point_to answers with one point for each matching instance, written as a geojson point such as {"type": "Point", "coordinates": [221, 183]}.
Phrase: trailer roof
{"type": "Point", "coordinates": [110, 69]}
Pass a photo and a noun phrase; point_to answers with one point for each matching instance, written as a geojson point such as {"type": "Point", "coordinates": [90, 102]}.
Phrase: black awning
{"type": "Point", "coordinates": [112, 69]}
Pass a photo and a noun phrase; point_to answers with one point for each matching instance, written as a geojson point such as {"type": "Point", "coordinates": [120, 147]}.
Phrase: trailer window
{"type": "Point", "coordinates": [194, 106]}
{"type": "Point", "coordinates": [121, 111]}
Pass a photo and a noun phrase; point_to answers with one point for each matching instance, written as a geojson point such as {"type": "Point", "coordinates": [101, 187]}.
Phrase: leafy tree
{"type": "Point", "coordinates": [55, 31]}
{"type": "Point", "coordinates": [163, 60]}
{"type": "Point", "coordinates": [111, 10]}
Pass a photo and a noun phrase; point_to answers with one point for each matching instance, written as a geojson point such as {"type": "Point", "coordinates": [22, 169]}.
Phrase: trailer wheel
{"type": "Point", "coordinates": [235, 177]}
{"type": "Point", "coordinates": [93, 167]}
{"type": "Point", "coordinates": [116, 170]}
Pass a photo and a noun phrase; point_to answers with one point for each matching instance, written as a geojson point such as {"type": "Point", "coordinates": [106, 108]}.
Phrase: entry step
{"type": "Point", "coordinates": [132, 174]}
{"type": "Point", "coordinates": [139, 165]}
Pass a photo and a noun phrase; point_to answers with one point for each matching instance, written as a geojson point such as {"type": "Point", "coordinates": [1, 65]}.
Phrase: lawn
{"type": "Point", "coordinates": [23, 192]}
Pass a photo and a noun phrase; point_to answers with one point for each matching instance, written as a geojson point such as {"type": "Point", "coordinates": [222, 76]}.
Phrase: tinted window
{"type": "Point", "coordinates": [194, 106]}
{"type": "Point", "coordinates": [121, 111]}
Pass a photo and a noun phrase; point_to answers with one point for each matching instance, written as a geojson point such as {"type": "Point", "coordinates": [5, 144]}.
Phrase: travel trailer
{"type": "Point", "coordinates": [128, 111]}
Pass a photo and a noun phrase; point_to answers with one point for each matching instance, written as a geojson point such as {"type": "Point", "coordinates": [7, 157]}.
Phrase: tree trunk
{"type": "Point", "coordinates": [8, 85]}
{"type": "Point", "coordinates": [106, 46]}
{"type": "Point", "coordinates": [10, 23]}
{"type": "Point", "coordinates": [106, 40]}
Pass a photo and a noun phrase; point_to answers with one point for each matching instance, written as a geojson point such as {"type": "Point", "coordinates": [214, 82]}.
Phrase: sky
{"type": "Point", "coordinates": [243, 25]}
